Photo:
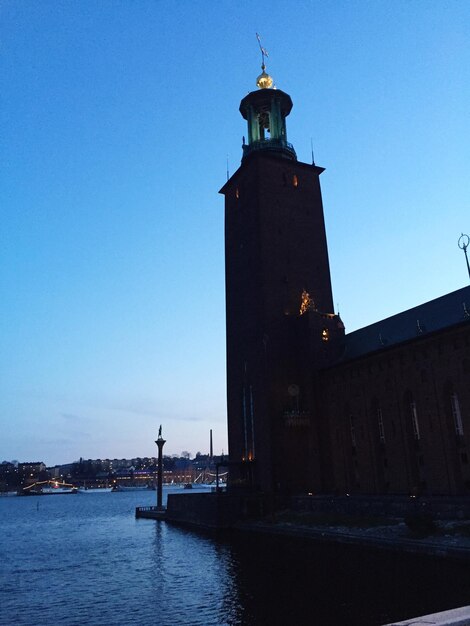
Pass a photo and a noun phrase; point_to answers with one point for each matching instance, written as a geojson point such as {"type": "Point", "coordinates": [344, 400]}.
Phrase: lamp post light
{"type": "Point", "coordinates": [463, 243]}
{"type": "Point", "coordinates": [160, 443]}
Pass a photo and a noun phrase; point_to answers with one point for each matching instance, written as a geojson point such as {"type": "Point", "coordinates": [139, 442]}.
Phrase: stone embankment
{"type": "Point", "coordinates": [434, 526]}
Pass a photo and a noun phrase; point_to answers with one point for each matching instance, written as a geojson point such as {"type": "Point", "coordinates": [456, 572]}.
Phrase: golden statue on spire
{"type": "Point", "coordinates": [264, 81]}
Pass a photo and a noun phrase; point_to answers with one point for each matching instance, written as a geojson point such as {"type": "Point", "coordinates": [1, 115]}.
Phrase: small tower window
{"type": "Point", "coordinates": [237, 193]}
{"type": "Point", "coordinates": [295, 180]}
{"type": "Point", "coordinates": [325, 334]}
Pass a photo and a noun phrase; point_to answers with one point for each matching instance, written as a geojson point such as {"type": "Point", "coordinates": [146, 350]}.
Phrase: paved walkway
{"type": "Point", "coordinates": [394, 537]}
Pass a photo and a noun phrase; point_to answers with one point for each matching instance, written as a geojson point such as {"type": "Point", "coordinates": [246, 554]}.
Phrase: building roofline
{"type": "Point", "coordinates": [265, 155]}
{"type": "Point", "coordinates": [425, 320]}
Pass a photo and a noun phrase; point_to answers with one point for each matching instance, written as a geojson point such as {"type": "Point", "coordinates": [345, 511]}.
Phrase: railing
{"type": "Point", "coordinates": [150, 512]}
{"type": "Point", "coordinates": [146, 509]}
{"type": "Point", "coordinates": [270, 144]}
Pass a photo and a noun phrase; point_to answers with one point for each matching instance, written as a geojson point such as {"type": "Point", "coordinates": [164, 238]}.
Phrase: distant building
{"type": "Point", "coordinates": [31, 468]}
{"type": "Point", "coordinates": [8, 476]}
{"type": "Point", "coordinates": [385, 409]}
{"type": "Point", "coordinates": [54, 471]}
{"type": "Point", "coordinates": [65, 470]}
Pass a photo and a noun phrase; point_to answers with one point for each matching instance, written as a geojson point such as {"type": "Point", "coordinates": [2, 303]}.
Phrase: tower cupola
{"type": "Point", "coordinates": [265, 111]}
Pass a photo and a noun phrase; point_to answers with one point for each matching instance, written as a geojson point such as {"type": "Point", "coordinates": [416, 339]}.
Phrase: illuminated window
{"type": "Point", "coordinates": [295, 181]}
{"type": "Point", "coordinates": [306, 303]}
{"type": "Point", "coordinates": [237, 193]}
{"type": "Point", "coordinates": [414, 420]}
{"type": "Point", "coordinates": [456, 414]}
{"type": "Point", "coordinates": [325, 334]}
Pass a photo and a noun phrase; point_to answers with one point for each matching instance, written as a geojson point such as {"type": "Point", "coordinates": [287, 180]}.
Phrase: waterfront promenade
{"type": "Point", "coordinates": [380, 523]}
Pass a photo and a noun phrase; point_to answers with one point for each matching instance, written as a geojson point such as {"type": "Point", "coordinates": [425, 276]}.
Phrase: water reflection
{"type": "Point", "coordinates": [86, 560]}
{"type": "Point", "coordinates": [285, 581]}
{"type": "Point", "coordinates": [248, 581]}
{"type": "Point", "coordinates": [193, 578]}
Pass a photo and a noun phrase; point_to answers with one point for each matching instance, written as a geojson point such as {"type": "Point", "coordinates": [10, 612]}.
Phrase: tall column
{"type": "Point", "coordinates": [160, 443]}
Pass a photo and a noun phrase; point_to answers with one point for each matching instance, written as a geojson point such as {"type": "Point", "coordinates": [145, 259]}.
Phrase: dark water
{"type": "Point", "coordinates": [84, 559]}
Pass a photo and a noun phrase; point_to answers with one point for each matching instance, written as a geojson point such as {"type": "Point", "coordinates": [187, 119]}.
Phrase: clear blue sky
{"type": "Point", "coordinates": [116, 120]}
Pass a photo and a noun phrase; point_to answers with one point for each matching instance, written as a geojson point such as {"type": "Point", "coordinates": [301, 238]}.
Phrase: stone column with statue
{"type": "Point", "coordinates": [160, 443]}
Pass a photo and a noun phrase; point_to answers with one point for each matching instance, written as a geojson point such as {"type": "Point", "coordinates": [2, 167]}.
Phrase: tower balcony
{"type": "Point", "coordinates": [279, 146]}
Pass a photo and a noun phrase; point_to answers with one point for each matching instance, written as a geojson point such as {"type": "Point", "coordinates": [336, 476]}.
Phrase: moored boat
{"type": "Point", "coordinates": [132, 487]}
{"type": "Point", "coordinates": [48, 488]}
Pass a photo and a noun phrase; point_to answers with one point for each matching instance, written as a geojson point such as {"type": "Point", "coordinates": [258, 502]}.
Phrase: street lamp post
{"type": "Point", "coordinates": [160, 443]}
{"type": "Point", "coordinates": [464, 240]}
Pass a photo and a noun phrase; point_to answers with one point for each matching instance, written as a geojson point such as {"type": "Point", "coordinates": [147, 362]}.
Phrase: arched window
{"type": "Point", "coordinates": [414, 420]}
{"type": "Point", "coordinates": [353, 431]}
{"type": "Point", "coordinates": [456, 414]}
{"type": "Point", "coordinates": [264, 125]}
{"type": "Point", "coordinates": [377, 411]}
{"type": "Point", "coordinates": [380, 424]}
{"type": "Point", "coordinates": [411, 412]}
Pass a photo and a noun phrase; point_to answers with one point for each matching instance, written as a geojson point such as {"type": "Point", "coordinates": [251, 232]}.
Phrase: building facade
{"type": "Point", "coordinates": [398, 403]}
{"type": "Point", "coordinates": [385, 409]}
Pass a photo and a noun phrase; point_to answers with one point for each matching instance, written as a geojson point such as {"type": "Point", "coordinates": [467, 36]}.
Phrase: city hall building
{"type": "Point", "coordinates": [312, 409]}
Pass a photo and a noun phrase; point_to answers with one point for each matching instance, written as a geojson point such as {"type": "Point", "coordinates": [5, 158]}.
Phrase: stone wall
{"type": "Point", "coordinates": [439, 507]}
{"type": "Point", "coordinates": [214, 510]}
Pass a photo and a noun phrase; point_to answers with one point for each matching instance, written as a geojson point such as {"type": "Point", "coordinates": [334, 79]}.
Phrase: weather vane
{"type": "Point", "coordinates": [264, 52]}
{"type": "Point", "coordinates": [264, 81]}
{"type": "Point", "coordinates": [464, 241]}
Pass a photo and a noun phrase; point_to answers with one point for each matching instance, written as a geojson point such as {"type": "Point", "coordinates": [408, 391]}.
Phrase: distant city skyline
{"type": "Point", "coordinates": [183, 454]}
{"type": "Point", "coordinates": [118, 120]}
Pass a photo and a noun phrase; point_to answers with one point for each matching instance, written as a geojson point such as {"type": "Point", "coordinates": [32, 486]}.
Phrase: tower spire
{"type": "Point", "coordinates": [264, 52]}
{"type": "Point", "coordinates": [264, 81]}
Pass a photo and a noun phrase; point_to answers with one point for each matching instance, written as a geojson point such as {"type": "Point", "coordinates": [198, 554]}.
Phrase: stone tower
{"type": "Point", "coordinates": [279, 310]}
